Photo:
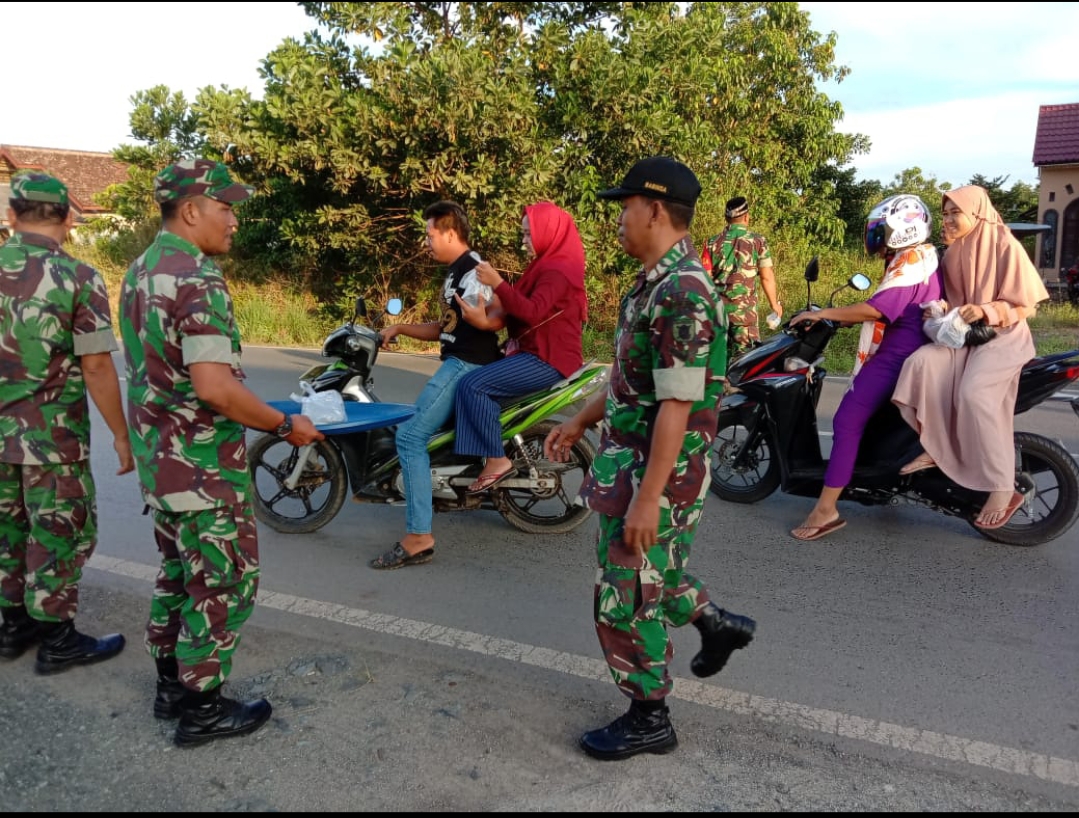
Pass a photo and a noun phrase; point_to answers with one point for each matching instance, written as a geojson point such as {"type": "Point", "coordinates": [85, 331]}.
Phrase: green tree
{"type": "Point", "coordinates": [169, 129]}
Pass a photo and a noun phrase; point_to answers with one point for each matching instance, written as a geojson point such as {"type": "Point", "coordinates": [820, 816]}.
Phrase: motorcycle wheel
{"type": "Point", "coordinates": [318, 495]}
{"type": "Point", "coordinates": [756, 478]}
{"type": "Point", "coordinates": [552, 512]}
{"type": "Point", "coordinates": [1053, 504]}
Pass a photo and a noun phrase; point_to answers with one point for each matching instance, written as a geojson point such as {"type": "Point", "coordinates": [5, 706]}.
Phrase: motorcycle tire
{"type": "Point", "coordinates": [1053, 506]}
{"type": "Point", "coordinates": [317, 497]}
{"type": "Point", "coordinates": [556, 511]}
{"type": "Point", "coordinates": [751, 482]}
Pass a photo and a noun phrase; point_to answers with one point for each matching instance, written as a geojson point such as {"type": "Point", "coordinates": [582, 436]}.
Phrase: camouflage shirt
{"type": "Point", "coordinates": [53, 309]}
{"type": "Point", "coordinates": [664, 350]}
{"type": "Point", "coordinates": [733, 259]}
{"type": "Point", "coordinates": [175, 310]}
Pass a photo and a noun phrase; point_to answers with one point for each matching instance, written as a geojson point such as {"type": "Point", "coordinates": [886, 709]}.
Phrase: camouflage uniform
{"type": "Point", "coordinates": [667, 347]}
{"type": "Point", "coordinates": [53, 310]}
{"type": "Point", "coordinates": [176, 311]}
{"type": "Point", "coordinates": [734, 258]}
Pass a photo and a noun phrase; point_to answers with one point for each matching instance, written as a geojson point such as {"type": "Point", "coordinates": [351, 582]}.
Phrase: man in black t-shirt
{"type": "Point", "coordinates": [464, 347]}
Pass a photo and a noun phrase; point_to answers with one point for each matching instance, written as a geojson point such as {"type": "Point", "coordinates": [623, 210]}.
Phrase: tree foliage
{"type": "Point", "coordinates": [387, 107]}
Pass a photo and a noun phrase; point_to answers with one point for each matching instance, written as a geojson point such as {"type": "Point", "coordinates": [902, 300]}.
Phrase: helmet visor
{"type": "Point", "coordinates": [875, 236]}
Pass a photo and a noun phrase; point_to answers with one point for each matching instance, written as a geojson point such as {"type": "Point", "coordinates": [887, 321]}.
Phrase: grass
{"type": "Point", "coordinates": [275, 313]}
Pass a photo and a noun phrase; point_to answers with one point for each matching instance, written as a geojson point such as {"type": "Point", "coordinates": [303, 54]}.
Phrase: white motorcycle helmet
{"type": "Point", "coordinates": [898, 221]}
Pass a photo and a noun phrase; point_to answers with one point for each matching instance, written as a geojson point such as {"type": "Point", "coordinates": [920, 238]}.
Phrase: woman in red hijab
{"type": "Point", "coordinates": [545, 311]}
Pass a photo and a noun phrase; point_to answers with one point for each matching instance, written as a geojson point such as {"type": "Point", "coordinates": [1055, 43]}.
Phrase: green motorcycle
{"type": "Point", "coordinates": [298, 490]}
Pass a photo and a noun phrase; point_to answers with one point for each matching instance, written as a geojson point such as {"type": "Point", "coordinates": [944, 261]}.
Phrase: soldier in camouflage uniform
{"type": "Point", "coordinates": [649, 478]}
{"type": "Point", "coordinates": [188, 409]}
{"type": "Point", "coordinates": [56, 344]}
{"type": "Point", "coordinates": [735, 259]}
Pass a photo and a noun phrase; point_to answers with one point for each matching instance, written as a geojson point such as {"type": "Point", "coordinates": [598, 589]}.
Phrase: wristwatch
{"type": "Point", "coordinates": [285, 428]}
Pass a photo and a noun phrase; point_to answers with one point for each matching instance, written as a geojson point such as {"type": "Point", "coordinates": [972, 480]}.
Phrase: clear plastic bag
{"type": "Point", "coordinates": [945, 328]}
{"type": "Point", "coordinates": [321, 407]}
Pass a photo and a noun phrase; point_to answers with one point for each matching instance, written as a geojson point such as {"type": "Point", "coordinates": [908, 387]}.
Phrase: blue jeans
{"type": "Point", "coordinates": [433, 408]}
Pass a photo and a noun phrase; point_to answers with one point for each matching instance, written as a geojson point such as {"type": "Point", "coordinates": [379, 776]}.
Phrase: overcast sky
{"type": "Point", "coordinates": [951, 88]}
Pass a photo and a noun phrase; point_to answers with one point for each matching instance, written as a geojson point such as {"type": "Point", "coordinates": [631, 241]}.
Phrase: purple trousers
{"type": "Point", "coordinates": [871, 388]}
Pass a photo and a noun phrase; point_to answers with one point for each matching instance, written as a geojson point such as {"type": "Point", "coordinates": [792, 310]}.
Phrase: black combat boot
{"type": "Point", "coordinates": [646, 728]}
{"type": "Point", "coordinates": [169, 689]}
{"type": "Point", "coordinates": [18, 632]}
{"type": "Point", "coordinates": [207, 715]}
{"type": "Point", "coordinates": [63, 647]}
{"type": "Point", "coordinates": [722, 634]}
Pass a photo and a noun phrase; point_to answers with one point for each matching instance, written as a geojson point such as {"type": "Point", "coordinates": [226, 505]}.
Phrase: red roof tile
{"type": "Point", "coordinates": [85, 173]}
{"type": "Point", "coordinates": [1057, 140]}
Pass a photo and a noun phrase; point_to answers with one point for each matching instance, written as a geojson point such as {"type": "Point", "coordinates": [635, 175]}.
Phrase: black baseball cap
{"type": "Point", "coordinates": [658, 177]}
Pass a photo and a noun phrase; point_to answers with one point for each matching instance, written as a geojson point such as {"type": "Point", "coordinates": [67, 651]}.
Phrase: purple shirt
{"type": "Point", "coordinates": [900, 309]}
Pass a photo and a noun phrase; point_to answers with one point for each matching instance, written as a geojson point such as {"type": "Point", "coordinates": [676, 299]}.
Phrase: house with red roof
{"type": "Point", "coordinates": [86, 174]}
{"type": "Point", "coordinates": [1056, 155]}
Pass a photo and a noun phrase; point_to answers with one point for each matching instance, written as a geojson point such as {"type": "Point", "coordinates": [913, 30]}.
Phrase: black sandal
{"type": "Point", "coordinates": [398, 557]}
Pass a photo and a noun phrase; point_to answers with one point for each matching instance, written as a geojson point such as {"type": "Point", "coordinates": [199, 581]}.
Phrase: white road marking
{"type": "Point", "coordinates": [830, 722]}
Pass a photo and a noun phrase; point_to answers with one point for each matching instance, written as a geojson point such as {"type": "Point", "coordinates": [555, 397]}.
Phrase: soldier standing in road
{"type": "Point", "coordinates": [56, 345]}
{"type": "Point", "coordinates": [735, 259]}
{"type": "Point", "coordinates": [188, 408]}
{"type": "Point", "coordinates": [649, 479]}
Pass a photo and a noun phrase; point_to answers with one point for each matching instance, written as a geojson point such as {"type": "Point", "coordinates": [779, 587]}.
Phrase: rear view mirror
{"type": "Point", "coordinates": [393, 306]}
{"type": "Point", "coordinates": [860, 282]}
{"type": "Point", "coordinates": [361, 308]}
{"type": "Point", "coordinates": [812, 270]}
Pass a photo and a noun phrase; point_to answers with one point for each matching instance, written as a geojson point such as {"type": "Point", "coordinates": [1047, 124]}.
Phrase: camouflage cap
{"type": "Point", "coordinates": [35, 186]}
{"type": "Point", "coordinates": [199, 177]}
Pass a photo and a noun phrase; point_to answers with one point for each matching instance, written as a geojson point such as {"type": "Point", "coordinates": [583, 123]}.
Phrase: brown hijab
{"type": "Point", "coordinates": [988, 264]}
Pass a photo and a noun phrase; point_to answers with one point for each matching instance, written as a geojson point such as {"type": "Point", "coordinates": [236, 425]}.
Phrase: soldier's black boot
{"type": "Point", "coordinates": [207, 715]}
{"type": "Point", "coordinates": [169, 689]}
{"type": "Point", "coordinates": [646, 728]}
{"type": "Point", "coordinates": [63, 647]}
{"type": "Point", "coordinates": [722, 634]}
{"type": "Point", "coordinates": [18, 632]}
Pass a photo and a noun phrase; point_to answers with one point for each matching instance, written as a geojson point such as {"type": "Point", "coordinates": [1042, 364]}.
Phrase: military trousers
{"type": "Point", "coordinates": [638, 596]}
{"type": "Point", "coordinates": [205, 590]}
{"type": "Point", "coordinates": [48, 530]}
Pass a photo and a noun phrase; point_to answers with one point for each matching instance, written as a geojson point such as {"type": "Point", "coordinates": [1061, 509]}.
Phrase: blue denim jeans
{"type": "Point", "coordinates": [433, 408]}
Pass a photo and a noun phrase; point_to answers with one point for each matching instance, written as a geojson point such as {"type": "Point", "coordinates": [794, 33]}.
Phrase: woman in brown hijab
{"type": "Point", "coordinates": [962, 401]}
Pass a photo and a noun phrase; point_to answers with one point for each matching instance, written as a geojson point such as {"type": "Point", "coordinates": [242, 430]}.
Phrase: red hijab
{"type": "Point", "coordinates": [558, 249]}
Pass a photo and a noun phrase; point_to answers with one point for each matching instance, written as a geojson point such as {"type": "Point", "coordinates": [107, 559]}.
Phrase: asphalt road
{"type": "Point", "coordinates": [905, 663]}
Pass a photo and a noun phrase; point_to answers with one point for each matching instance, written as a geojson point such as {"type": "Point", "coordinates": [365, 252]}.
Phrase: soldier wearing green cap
{"type": "Point", "coordinates": [650, 476]}
{"type": "Point", "coordinates": [56, 344]}
{"type": "Point", "coordinates": [189, 408]}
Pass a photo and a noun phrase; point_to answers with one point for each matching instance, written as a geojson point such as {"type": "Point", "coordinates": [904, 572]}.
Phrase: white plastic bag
{"type": "Point", "coordinates": [945, 328]}
{"type": "Point", "coordinates": [321, 407]}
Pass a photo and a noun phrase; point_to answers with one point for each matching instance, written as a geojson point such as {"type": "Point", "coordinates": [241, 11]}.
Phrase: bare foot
{"type": "Point", "coordinates": [494, 465]}
{"type": "Point", "coordinates": [998, 509]}
{"type": "Point", "coordinates": [415, 543]}
{"type": "Point", "coordinates": [922, 461]}
{"type": "Point", "coordinates": [817, 524]}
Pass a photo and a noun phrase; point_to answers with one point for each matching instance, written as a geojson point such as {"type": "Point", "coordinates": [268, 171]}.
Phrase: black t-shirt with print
{"type": "Point", "coordinates": [459, 338]}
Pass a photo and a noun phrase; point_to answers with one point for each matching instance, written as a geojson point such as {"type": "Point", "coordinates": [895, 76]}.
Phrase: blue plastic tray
{"type": "Point", "coordinates": [361, 416]}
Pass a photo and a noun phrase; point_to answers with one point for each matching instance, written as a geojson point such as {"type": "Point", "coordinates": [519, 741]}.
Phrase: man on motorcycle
{"type": "Point", "coordinates": [897, 230]}
{"type": "Point", "coordinates": [464, 348]}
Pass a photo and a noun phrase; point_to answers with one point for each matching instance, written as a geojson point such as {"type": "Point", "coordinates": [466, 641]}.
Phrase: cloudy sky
{"type": "Point", "coordinates": [934, 85]}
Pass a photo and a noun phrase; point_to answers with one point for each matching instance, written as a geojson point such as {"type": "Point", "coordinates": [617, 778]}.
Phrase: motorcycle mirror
{"type": "Point", "coordinates": [860, 282]}
{"type": "Point", "coordinates": [393, 306]}
{"type": "Point", "coordinates": [812, 270]}
{"type": "Point", "coordinates": [361, 308]}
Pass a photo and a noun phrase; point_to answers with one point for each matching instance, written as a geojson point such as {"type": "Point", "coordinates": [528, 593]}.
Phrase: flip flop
{"type": "Point", "coordinates": [398, 557]}
{"type": "Point", "coordinates": [1009, 512]}
{"type": "Point", "coordinates": [919, 463]}
{"type": "Point", "coordinates": [489, 481]}
{"type": "Point", "coordinates": [819, 531]}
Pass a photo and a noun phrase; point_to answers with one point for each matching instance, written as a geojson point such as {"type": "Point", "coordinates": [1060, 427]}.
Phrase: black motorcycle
{"type": "Point", "coordinates": [767, 438]}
